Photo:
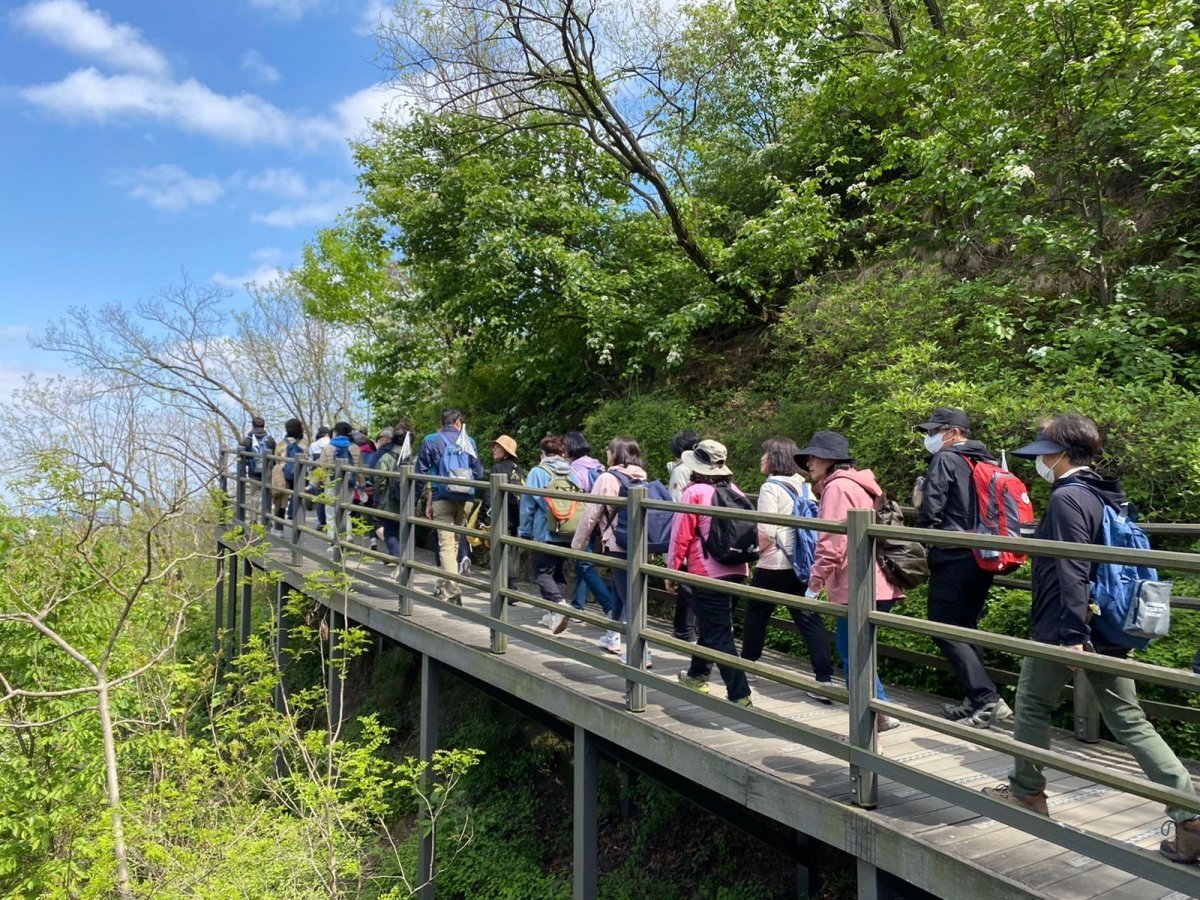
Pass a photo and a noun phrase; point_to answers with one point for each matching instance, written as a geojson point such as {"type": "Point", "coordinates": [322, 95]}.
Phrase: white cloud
{"type": "Point", "coordinates": [262, 276]}
{"type": "Point", "coordinates": [169, 187]}
{"type": "Point", "coordinates": [286, 9]}
{"type": "Point", "coordinates": [316, 212]}
{"type": "Point", "coordinates": [353, 114]}
{"type": "Point", "coordinates": [374, 13]}
{"type": "Point", "coordinates": [253, 62]}
{"type": "Point", "coordinates": [74, 26]}
{"type": "Point", "coordinates": [287, 184]}
{"type": "Point", "coordinates": [245, 119]}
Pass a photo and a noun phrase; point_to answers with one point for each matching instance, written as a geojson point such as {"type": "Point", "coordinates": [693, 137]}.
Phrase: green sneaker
{"type": "Point", "coordinates": [745, 702]}
{"type": "Point", "coordinates": [696, 684]}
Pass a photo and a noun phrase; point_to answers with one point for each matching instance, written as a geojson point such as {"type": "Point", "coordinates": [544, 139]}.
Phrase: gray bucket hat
{"type": "Point", "coordinates": [708, 458]}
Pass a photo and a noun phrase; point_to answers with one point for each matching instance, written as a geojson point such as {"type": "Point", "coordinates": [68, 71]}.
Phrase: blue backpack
{"type": "Point", "coordinates": [658, 521]}
{"type": "Point", "coordinates": [1134, 606]}
{"type": "Point", "coordinates": [292, 450]}
{"type": "Point", "coordinates": [805, 545]}
{"type": "Point", "coordinates": [455, 462]}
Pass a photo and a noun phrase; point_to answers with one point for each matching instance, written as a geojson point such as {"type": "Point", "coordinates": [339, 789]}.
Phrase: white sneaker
{"type": "Point", "coordinates": [649, 658]}
{"type": "Point", "coordinates": [611, 642]}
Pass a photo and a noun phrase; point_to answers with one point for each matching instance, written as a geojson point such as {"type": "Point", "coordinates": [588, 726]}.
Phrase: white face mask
{"type": "Point", "coordinates": [1044, 470]}
{"type": "Point", "coordinates": [933, 442]}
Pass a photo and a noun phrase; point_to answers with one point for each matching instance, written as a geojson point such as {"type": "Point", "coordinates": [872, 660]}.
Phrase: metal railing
{"type": "Point", "coordinates": [865, 762]}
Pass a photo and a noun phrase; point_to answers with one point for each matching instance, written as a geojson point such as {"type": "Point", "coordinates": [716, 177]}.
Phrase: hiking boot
{"type": "Point", "coordinates": [956, 711]}
{"type": "Point", "coordinates": [1034, 802]}
{"type": "Point", "coordinates": [696, 684]}
{"type": "Point", "coordinates": [1186, 846]}
{"type": "Point", "coordinates": [987, 714]}
{"type": "Point", "coordinates": [745, 702]}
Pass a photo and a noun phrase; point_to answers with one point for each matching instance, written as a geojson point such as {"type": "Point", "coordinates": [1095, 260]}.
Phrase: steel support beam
{"type": "Point", "coordinates": [430, 723]}
{"type": "Point", "coordinates": [587, 764]}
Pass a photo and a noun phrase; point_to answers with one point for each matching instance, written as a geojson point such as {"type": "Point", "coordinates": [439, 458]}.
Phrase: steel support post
{"type": "Point", "coordinates": [499, 561]}
{"type": "Point", "coordinates": [587, 764]}
{"type": "Point", "coordinates": [430, 719]}
{"type": "Point", "coordinates": [281, 644]}
{"type": "Point", "coordinates": [860, 668]}
{"type": "Point", "coordinates": [340, 480]}
{"type": "Point", "coordinates": [1087, 711]}
{"type": "Point", "coordinates": [219, 616]}
{"type": "Point", "coordinates": [337, 625]}
{"type": "Point", "coordinates": [408, 542]}
{"type": "Point", "coordinates": [264, 496]}
{"type": "Point", "coordinates": [635, 641]}
{"type": "Point", "coordinates": [235, 565]}
{"type": "Point", "coordinates": [808, 869]}
{"type": "Point", "coordinates": [873, 884]}
{"type": "Point", "coordinates": [298, 511]}
{"type": "Point", "coordinates": [247, 603]}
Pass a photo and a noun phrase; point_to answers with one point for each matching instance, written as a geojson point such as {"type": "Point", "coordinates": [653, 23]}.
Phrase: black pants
{"type": "Point", "coordinates": [684, 626]}
{"type": "Point", "coordinates": [958, 591]}
{"type": "Point", "coordinates": [714, 621]}
{"type": "Point", "coordinates": [810, 626]}
{"type": "Point", "coordinates": [549, 575]}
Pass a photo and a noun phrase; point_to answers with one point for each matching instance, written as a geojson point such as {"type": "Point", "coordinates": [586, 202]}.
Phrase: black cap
{"type": "Point", "coordinates": [946, 417]}
{"type": "Point", "coordinates": [826, 445]}
{"type": "Point", "coordinates": [1042, 446]}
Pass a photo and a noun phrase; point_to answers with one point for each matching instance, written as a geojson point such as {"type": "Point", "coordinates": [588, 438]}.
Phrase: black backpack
{"type": "Point", "coordinates": [731, 541]}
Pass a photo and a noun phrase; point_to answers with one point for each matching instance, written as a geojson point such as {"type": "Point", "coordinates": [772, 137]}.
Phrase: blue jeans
{"type": "Point", "coordinates": [842, 640]}
{"type": "Point", "coordinates": [588, 579]}
{"type": "Point", "coordinates": [391, 537]}
{"type": "Point", "coordinates": [620, 582]}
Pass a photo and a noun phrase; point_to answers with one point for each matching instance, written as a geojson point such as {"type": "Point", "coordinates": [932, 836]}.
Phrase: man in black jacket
{"type": "Point", "coordinates": [958, 588]}
{"type": "Point", "coordinates": [1064, 450]}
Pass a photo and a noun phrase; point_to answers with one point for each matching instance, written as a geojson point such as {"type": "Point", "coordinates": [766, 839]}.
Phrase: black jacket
{"type": "Point", "coordinates": [1061, 587]}
{"type": "Point", "coordinates": [516, 475]}
{"type": "Point", "coordinates": [948, 496]}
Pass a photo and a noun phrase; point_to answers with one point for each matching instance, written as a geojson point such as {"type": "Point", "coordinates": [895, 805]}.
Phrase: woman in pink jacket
{"type": "Point", "coordinates": [841, 487]}
{"type": "Point", "coordinates": [713, 607]}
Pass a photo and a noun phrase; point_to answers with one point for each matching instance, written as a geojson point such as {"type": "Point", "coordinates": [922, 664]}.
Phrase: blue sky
{"type": "Point", "coordinates": [145, 138]}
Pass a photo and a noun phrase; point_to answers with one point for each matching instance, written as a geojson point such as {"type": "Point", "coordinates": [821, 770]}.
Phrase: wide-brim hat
{"type": "Point", "coordinates": [945, 417]}
{"type": "Point", "coordinates": [1042, 446]}
{"type": "Point", "coordinates": [507, 444]}
{"type": "Point", "coordinates": [826, 445]}
{"type": "Point", "coordinates": [708, 458]}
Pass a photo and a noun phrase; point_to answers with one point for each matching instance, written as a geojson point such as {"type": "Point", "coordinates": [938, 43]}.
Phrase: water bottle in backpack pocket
{"type": "Point", "coordinates": [455, 462]}
{"type": "Point", "coordinates": [1131, 606]}
{"type": "Point", "coordinates": [1002, 507]}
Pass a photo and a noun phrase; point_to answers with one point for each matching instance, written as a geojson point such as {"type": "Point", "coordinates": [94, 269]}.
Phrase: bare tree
{"type": "Point", "coordinates": [597, 66]}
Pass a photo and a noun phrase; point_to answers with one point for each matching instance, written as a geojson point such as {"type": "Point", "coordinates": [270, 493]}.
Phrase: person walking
{"type": "Point", "coordinates": [315, 449]}
{"type": "Point", "coordinates": [1063, 452]}
{"type": "Point", "coordinates": [284, 471]}
{"type": "Point", "coordinates": [339, 449]}
{"type": "Point", "coordinates": [395, 450]}
{"type": "Point", "coordinates": [842, 487]}
{"type": "Point", "coordinates": [449, 453]}
{"type": "Point", "coordinates": [548, 568]}
{"type": "Point", "coordinates": [624, 456]}
{"type": "Point", "coordinates": [958, 587]}
{"type": "Point", "coordinates": [679, 476]}
{"type": "Point", "coordinates": [587, 469]}
{"type": "Point", "coordinates": [713, 607]}
{"type": "Point", "coordinates": [775, 571]}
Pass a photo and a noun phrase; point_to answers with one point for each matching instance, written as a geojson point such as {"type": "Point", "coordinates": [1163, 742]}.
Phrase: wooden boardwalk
{"type": "Point", "coordinates": [928, 842]}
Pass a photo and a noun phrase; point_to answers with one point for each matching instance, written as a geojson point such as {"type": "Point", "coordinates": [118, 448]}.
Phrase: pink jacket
{"type": "Point", "coordinates": [841, 491]}
{"type": "Point", "coordinates": [594, 514]}
{"type": "Point", "coordinates": [688, 532]}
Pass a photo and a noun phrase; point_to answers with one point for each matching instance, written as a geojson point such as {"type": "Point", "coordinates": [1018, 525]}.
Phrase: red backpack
{"type": "Point", "coordinates": [1002, 506]}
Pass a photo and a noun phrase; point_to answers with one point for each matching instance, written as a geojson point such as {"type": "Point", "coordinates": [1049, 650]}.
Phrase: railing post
{"type": "Point", "coordinates": [499, 561]}
{"type": "Point", "coordinates": [339, 483]}
{"type": "Point", "coordinates": [239, 493]}
{"type": "Point", "coordinates": [231, 606]}
{"type": "Point", "coordinates": [635, 558]}
{"type": "Point", "coordinates": [299, 477]}
{"type": "Point", "coordinates": [281, 644]}
{"type": "Point", "coordinates": [222, 556]}
{"type": "Point", "coordinates": [1087, 711]}
{"type": "Point", "coordinates": [860, 667]}
{"type": "Point", "coordinates": [407, 536]}
{"type": "Point", "coordinates": [265, 500]}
